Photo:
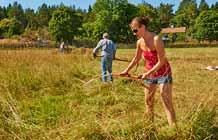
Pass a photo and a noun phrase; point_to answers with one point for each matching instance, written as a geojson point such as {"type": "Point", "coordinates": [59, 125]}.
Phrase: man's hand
{"type": "Point", "coordinates": [94, 55]}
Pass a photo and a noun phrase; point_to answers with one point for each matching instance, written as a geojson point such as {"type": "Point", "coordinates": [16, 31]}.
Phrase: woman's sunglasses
{"type": "Point", "coordinates": [135, 30]}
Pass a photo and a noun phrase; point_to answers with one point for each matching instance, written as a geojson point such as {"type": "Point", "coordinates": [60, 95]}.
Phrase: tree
{"type": "Point", "coordinates": [90, 9]}
{"type": "Point", "coordinates": [146, 9]}
{"type": "Point", "coordinates": [206, 27]}
{"type": "Point", "coordinates": [121, 17]}
{"type": "Point", "coordinates": [131, 12]}
{"type": "Point", "coordinates": [3, 13]}
{"type": "Point", "coordinates": [16, 11]}
{"type": "Point", "coordinates": [103, 10]}
{"type": "Point", "coordinates": [203, 6]}
{"type": "Point", "coordinates": [31, 18]}
{"type": "Point", "coordinates": [181, 20]}
{"type": "Point", "coordinates": [90, 16]}
{"type": "Point", "coordinates": [64, 24]}
{"type": "Point", "coordinates": [10, 27]}
{"type": "Point", "coordinates": [165, 12]}
{"type": "Point", "coordinates": [112, 16]}
{"type": "Point", "coordinates": [100, 5]}
{"type": "Point", "coordinates": [186, 15]}
{"type": "Point", "coordinates": [214, 6]}
{"type": "Point", "coordinates": [44, 15]}
{"type": "Point", "coordinates": [187, 12]}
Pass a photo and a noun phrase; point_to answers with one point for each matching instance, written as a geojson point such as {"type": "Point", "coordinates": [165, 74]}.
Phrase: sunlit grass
{"type": "Point", "coordinates": [45, 95]}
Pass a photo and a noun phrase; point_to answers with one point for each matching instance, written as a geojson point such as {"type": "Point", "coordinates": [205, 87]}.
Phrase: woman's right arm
{"type": "Point", "coordinates": [135, 59]}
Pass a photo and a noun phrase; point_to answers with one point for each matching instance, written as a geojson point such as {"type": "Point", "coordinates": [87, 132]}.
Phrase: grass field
{"type": "Point", "coordinates": [43, 96]}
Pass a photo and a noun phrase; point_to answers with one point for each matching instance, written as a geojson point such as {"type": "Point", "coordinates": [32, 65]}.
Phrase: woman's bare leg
{"type": "Point", "coordinates": [166, 94]}
{"type": "Point", "coordinates": [149, 100]}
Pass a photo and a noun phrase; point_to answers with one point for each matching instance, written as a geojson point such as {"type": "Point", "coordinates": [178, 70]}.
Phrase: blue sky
{"type": "Point", "coordinates": [85, 3]}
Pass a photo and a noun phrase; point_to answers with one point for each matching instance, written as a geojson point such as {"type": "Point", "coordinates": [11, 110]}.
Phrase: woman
{"type": "Point", "coordinates": [158, 70]}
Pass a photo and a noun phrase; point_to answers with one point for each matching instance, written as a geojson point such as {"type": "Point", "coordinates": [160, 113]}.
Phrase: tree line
{"type": "Point", "coordinates": [67, 23]}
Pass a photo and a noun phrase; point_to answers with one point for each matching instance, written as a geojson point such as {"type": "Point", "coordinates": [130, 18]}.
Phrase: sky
{"type": "Point", "coordinates": [83, 4]}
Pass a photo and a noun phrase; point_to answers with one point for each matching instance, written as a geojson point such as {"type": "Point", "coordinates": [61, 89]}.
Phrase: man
{"type": "Point", "coordinates": [62, 47]}
{"type": "Point", "coordinates": [107, 55]}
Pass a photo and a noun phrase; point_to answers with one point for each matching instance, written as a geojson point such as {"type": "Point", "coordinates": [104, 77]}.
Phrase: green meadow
{"type": "Point", "coordinates": [47, 95]}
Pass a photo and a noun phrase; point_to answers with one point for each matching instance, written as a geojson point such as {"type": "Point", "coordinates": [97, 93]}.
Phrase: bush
{"type": "Point", "coordinates": [10, 27]}
{"type": "Point", "coordinates": [85, 43]}
{"type": "Point", "coordinates": [190, 45]}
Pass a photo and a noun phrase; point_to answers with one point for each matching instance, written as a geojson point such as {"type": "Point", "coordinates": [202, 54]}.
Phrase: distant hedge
{"type": "Point", "coordinates": [18, 44]}
{"type": "Point", "coordinates": [190, 45]}
{"type": "Point", "coordinates": [86, 43]}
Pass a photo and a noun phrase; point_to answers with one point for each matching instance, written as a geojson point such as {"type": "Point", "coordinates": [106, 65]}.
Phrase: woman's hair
{"type": "Point", "coordinates": [142, 20]}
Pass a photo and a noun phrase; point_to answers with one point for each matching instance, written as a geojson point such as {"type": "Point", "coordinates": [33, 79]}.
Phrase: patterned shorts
{"type": "Point", "coordinates": [160, 80]}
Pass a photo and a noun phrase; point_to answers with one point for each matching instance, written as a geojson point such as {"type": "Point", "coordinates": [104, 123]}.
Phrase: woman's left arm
{"type": "Point", "coordinates": [159, 46]}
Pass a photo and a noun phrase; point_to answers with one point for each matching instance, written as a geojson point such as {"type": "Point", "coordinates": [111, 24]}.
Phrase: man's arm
{"type": "Point", "coordinates": [99, 45]}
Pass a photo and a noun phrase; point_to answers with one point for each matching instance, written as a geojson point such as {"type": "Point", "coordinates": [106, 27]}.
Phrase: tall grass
{"type": "Point", "coordinates": [44, 96]}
